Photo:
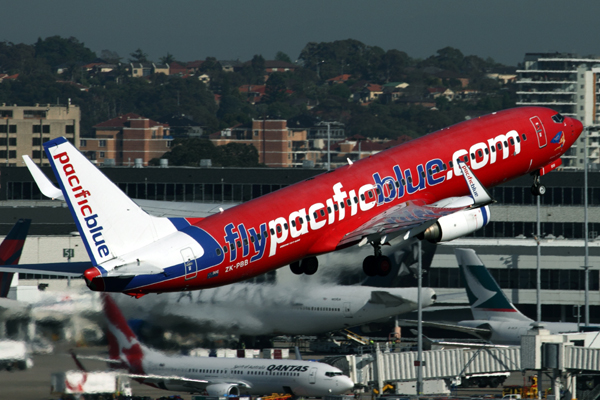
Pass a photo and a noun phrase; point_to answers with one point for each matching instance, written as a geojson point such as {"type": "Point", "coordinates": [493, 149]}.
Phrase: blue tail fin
{"type": "Point", "coordinates": [486, 299]}
{"type": "Point", "coordinates": [10, 252]}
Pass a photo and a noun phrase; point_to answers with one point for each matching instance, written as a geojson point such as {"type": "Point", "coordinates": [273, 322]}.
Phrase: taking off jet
{"type": "Point", "coordinates": [432, 187]}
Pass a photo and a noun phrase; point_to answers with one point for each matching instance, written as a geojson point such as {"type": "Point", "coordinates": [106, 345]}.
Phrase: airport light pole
{"type": "Point", "coordinates": [586, 266]}
{"type": "Point", "coordinates": [419, 362]}
{"type": "Point", "coordinates": [538, 287]}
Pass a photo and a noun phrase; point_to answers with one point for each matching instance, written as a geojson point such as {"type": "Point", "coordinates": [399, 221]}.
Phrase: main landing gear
{"type": "Point", "coordinates": [377, 264]}
{"type": "Point", "coordinates": [308, 266]}
{"type": "Point", "coordinates": [537, 189]}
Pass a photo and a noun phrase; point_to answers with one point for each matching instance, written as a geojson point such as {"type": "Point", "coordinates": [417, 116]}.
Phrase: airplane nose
{"type": "Point", "coordinates": [576, 127]}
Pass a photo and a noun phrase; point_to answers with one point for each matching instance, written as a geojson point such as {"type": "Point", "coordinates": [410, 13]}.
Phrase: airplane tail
{"type": "Point", "coordinates": [486, 299]}
{"type": "Point", "coordinates": [10, 252]}
{"type": "Point", "coordinates": [123, 344]}
{"type": "Point", "coordinates": [109, 222]}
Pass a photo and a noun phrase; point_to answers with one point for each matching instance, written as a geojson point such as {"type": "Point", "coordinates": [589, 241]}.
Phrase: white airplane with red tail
{"type": "Point", "coordinates": [215, 376]}
{"type": "Point", "coordinates": [433, 187]}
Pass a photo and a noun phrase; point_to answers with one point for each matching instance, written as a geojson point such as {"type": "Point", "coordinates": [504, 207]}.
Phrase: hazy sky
{"type": "Point", "coordinates": [238, 29]}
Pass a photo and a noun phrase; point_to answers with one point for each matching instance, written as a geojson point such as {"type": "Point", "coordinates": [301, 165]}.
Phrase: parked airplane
{"type": "Point", "coordinates": [495, 318]}
{"type": "Point", "coordinates": [255, 310]}
{"type": "Point", "coordinates": [410, 190]}
{"type": "Point", "coordinates": [10, 252]}
{"type": "Point", "coordinates": [216, 376]}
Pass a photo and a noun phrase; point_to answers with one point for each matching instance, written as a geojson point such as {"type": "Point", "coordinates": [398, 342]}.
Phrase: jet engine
{"type": "Point", "coordinates": [223, 389]}
{"type": "Point", "coordinates": [458, 224]}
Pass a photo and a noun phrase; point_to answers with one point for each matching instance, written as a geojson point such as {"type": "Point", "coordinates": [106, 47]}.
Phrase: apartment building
{"type": "Point", "coordinates": [568, 84]}
{"type": "Point", "coordinates": [127, 140]}
{"type": "Point", "coordinates": [24, 130]}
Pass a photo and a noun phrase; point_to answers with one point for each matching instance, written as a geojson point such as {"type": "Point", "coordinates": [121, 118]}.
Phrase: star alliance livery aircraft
{"type": "Point", "coordinates": [432, 187]}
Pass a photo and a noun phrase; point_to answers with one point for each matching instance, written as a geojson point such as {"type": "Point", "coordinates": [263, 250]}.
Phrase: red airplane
{"type": "Point", "coordinates": [432, 187]}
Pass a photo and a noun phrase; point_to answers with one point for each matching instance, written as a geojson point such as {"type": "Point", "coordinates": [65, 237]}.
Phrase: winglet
{"type": "Point", "coordinates": [479, 193]}
{"type": "Point", "coordinates": [45, 185]}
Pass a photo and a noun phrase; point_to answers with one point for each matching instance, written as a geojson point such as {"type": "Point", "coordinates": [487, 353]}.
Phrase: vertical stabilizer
{"type": "Point", "coordinates": [486, 299]}
{"type": "Point", "coordinates": [123, 344]}
{"type": "Point", "coordinates": [10, 252]}
{"type": "Point", "coordinates": [109, 222]}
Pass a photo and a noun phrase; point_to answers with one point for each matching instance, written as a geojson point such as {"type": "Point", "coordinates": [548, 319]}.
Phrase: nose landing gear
{"type": "Point", "coordinates": [377, 264]}
{"type": "Point", "coordinates": [537, 189]}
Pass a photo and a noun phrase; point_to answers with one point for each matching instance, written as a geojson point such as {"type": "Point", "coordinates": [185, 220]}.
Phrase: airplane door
{"type": "Point", "coordinates": [312, 376]}
{"type": "Point", "coordinates": [348, 310]}
{"type": "Point", "coordinates": [189, 263]}
{"type": "Point", "coordinates": [540, 132]}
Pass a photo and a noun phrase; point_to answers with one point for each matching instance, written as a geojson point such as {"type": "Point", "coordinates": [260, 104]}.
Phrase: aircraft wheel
{"type": "Point", "coordinates": [296, 268]}
{"type": "Point", "coordinates": [384, 265]}
{"type": "Point", "coordinates": [538, 190]}
{"type": "Point", "coordinates": [370, 266]}
{"type": "Point", "coordinates": [310, 265]}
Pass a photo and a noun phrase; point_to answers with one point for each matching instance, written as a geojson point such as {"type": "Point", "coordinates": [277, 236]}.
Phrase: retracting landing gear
{"type": "Point", "coordinates": [308, 266]}
{"type": "Point", "coordinates": [537, 189]}
{"type": "Point", "coordinates": [377, 264]}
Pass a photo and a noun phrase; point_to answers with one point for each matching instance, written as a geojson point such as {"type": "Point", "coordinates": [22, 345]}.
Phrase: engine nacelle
{"type": "Point", "coordinates": [223, 389]}
{"type": "Point", "coordinates": [459, 224]}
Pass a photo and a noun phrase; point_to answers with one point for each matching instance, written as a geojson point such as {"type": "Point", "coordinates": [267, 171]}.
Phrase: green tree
{"type": "Point", "coordinates": [281, 56]}
{"type": "Point", "coordinates": [57, 50]}
{"type": "Point", "coordinates": [236, 155]}
{"type": "Point", "coordinates": [189, 152]}
{"type": "Point", "coordinates": [168, 59]}
{"type": "Point", "coordinates": [138, 56]}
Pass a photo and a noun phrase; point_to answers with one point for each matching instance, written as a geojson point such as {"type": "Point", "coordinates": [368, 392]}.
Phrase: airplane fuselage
{"type": "Point", "coordinates": [259, 376]}
{"type": "Point", "coordinates": [247, 309]}
{"type": "Point", "coordinates": [314, 216]}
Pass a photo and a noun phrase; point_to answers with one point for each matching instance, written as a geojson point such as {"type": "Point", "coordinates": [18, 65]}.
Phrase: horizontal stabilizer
{"type": "Point", "coordinates": [387, 299]}
{"type": "Point", "coordinates": [72, 269]}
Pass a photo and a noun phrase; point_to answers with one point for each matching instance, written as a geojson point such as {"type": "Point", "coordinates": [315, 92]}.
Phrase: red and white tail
{"type": "Point", "coordinates": [123, 344]}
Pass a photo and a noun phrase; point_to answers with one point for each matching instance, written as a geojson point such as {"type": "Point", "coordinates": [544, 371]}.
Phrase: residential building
{"type": "Point", "coordinates": [277, 145]}
{"type": "Point", "coordinates": [139, 70]}
{"type": "Point", "coordinates": [566, 83]}
{"type": "Point", "coordinates": [24, 130]}
{"type": "Point", "coordinates": [127, 140]}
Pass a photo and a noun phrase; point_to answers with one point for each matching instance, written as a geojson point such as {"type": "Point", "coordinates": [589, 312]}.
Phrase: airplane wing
{"type": "Point", "coordinates": [72, 269]}
{"type": "Point", "coordinates": [481, 333]}
{"type": "Point", "coordinates": [414, 217]}
{"type": "Point", "coordinates": [197, 384]}
{"type": "Point", "coordinates": [387, 299]}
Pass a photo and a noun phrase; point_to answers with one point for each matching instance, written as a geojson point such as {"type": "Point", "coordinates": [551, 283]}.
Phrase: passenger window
{"type": "Point", "coordinates": [239, 244]}
{"type": "Point", "coordinates": [362, 196]}
{"type": "Point", "coordinates": [397, 184]}
{"type": "Point", "coordinates": [493, 149]}
{"type": "Point", "coordinates": [225, 249]}
{"type": "Point", "coordinates": [480, 153]}
{"type": "Point", "coordinates": [370, 194]}
{"type": "Point", "coordinates": [403, 182]}
{"type": "Point", "coordinates": [335, 206]}
{"type": "Point", "coordinates": [390, 185]}
{"type": "Point", "coordinates": [466, 158]}
{"type": "Point", "coordinates": [472, 156]}
{"type": "Point", "coordinates": [252, 239]}
{"type": "Point", "coordinates": [355, 200]}
{"type": "Point", "coordinates": [341, 204]}
{"type": "Point", "coordinates": [499, 146]}
{"type": "Point", "coordinates": [329, 210]}
{"type": "Point", "coordinates": [410, 179]}
{"type": "Point", "coordinates": [245, 242]}
{"type": "Point", "coordinates": [505, 143]}
{"type": "Point", "coordinates": [429, 171]}
{"type": "Point", "coordinates": [273, 232]}
{"type": "Point", "coordinates": [378, 190]}
{"type": "Point", "coordinates": [423, 174]}
{"type": "Point", "coordinates": [523, 136]}
{"type": "Point", "coordinates": [349, 202]}
{"type": "Point", "coordinates": [294, 223]}
{"type": "Point", "coordinates": [285, 226]}
{"type": "Point", "coordinates": [512, 141]}
{"type": "Point", "coordinates": [278, 228]}
{"type": "Point", "coordinates": [450, 164]}
{"type": "Point", "coordinates": [218, 250]}
{"type": "Point", "coordinates": [232, 246]}
{"type": "Point", "coordinates": [322, 213]}
{"type": "Point", "coordinates": [487, 151]}
{"type": "Point", "coordinates": [518, 139]}
{"type": "Point", "coordinates": [307, 217]}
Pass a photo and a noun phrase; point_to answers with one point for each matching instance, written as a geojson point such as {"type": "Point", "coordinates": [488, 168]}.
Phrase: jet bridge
{"type": "Point", "coordinates": [564, 356]}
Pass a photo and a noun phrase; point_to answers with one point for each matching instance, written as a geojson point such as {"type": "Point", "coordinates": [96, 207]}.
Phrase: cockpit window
{"type": "Point", "coordinates": [332, 374]}
{"type": "Point", "coordinates": [558, 118]}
